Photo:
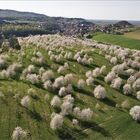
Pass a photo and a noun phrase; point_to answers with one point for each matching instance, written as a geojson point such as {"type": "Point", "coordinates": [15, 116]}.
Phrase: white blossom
{"type": "Point", "coordinates": [59, 82]}
{"type": "Point", "coordinates": [56, 121]}
{"type": "Point", "coordinates": [96, 72]}
{"type": "Point", "coordinates": [77, 111]}
{"type": "Point", "coordinates": [88, 74]}
{"type": "Point", "coordinates": [56, 101]}
{"type": "Point", "coordinates": [48, 85]}
{"type": "Point", "coordinates": [62, 91]}
{"type": "Point", "coordinates": [33, 78]}
{"type": "Point", "coordinates": [113, 60]}
{"type": "Point", "coordinates": [103, 70]}
{"type": "Point", "coordinates": [100, 92]}
{"type": "Point", "coordinates": [136, 84]}
{"type": "Point", "coordinates": [19, 134]}
{"type": "Point", "coordinates": [138, 95]}
{"type": "Point", "coordinates": [131, 79]}
{"type": "Point", "coordinates": [69, 78]}
{"type": "Point", "coordinates": [90, 81]}
{"type": "Point", "coordinates": [86, 114]}
{"type": "Point", "coordinates": [75, 122]}
{"type": "Point", "coordinates": [135, 113]}
{"type": "Point", "coordinates": [110, 76]}
{"type": "Point", "coordinates": [48, 75]}
{"type": "Point", "coordinates": [116, 83]}
{"type": "Point", "coordinates": [25, 101]}
{"type": "Point", "coordinates": [31, 69]}
{"type": "Point", "coordinates": [66, 108]}
{"type": "Point", "coordinates": [127, 89]}
{"type": "Point", "coordinates": [69, 98]}
{"type": "Point", "coordinates": [81, 83]}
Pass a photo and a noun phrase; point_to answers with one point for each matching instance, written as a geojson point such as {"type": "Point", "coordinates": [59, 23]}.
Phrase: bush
{"type": "Point", "coordinates": [19, 134]}
{"type": "Point", "coordinates": [135, 113]}
{"type": "Point", "coordinates": [56, 121]}
{"type": "Point", "coordinates": [100, 92]}
{"type": "Point", "coordinates": [56, 101]}
{"type": "Point", "coordinates": [25, 101]}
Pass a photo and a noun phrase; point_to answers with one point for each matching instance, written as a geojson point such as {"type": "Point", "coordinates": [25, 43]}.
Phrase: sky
{"type": "Point", "coordinates": [88, 9]}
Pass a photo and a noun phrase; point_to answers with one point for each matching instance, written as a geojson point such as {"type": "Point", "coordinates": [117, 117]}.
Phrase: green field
{"type": "Point", "coordinates": [121, 40]}
{"type": "Point", "coordinates": [108, 123]}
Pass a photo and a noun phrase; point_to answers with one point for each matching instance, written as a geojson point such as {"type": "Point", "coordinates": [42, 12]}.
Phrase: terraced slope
{"type": "Point", "coordinates": [109, 120]}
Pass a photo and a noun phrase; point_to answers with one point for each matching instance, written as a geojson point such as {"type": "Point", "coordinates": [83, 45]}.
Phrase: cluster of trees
{"type": "Point", "coordinates": [20, 30]}
{"type": "Point", "coordinates": [9, 33]}
{"type": "Point", "coordinates": [11, 42]}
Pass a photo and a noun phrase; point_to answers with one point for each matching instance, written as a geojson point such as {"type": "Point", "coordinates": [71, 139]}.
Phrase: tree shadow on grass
{"type": "Point", "coordinates": [35, 97]}
{"type": "Point", "coordinates": [121, 110]}
{"type": "Point", "coordinates": [35, 115]}
{"type": "Point", "coordinates": [83, 91]}
{"type": "Point", "coordinates": [90, 66]}
{"type": "Point", "coordinates": [109, 102]}
{"type": "Point", "coordinates": [95, 65]}
{"type": "Point", "coordinates": [60, 63]}
{"type": "Point", "coordinates": [97, 83]}
{"type": "Point", "coordinates": [102, 111]}
{"type": "Point", "coordinates": [95, 127]}
{"type": "Point", "coordinates": [132, 96]}
{"type": "Point", "coordinates": [46, 66]}
{"type": "Point", "coordinates": [124, 76]}
{"type": "Point", "coordinates": [72, 60]}
{"type": "Point", "coordinates": [67, 133]}
{"type": "Point", "coordinates": [120, 91]}
{"type": "Point", "coordinates": [101, 78]}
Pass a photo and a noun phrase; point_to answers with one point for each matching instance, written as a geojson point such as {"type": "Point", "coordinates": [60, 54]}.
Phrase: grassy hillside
{"type": "Point", "coordinates": [133, 35]}
{"type": "Point", "coordinates": [108, 122]}
{"type": "Point", "coordinates": [121, 40]}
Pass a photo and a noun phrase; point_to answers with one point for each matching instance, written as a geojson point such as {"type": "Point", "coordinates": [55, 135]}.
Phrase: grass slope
{"type": "Point", "coordinates": [134, 35]}
{"type": "Point", "coordinates": [109, 122]}
{"type": "Point", "coordinates": [120, 40]}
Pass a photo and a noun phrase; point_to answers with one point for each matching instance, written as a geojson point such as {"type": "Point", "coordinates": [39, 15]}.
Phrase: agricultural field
{"type": "Point", "coordinates": [129, 40]}
{"type": "Point", "coordinates": [63, 88]}
{"type": "Point", "coordinates": [134, 35]}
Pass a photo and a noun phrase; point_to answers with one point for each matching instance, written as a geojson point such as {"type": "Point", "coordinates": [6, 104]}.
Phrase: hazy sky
{"type": "Point", "coordinates": [120, 10]}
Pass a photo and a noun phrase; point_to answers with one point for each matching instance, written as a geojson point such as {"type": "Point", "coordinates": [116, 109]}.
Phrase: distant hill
{"type": "Point", "coordinates": [103, 22]}
{"type": "Point", "coordinates": [123, 24]}
{"type": "Point", "coordinates": [135, 22]}
{"type": "Point", "coordinates": [106, 22]}
{"type": "Point", "coordinates": [16, 14]}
